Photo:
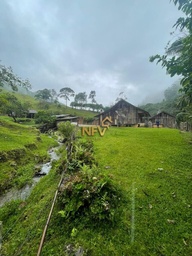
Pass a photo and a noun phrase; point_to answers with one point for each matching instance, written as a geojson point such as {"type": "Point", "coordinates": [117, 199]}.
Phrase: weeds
{"type": "Point", "coordinates": [89, 193]}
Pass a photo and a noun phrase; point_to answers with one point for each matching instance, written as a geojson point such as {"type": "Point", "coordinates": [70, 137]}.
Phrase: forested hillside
{"type": "Point", "coordinates": [170, 103]}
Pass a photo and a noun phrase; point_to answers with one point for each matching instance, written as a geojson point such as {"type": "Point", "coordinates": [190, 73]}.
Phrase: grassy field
{"type": "Point", "coordinates": [153, 169]}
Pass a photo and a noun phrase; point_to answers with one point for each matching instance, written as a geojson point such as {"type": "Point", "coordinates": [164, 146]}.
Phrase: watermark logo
{"type": "Point", "coordinates": [91, 130]}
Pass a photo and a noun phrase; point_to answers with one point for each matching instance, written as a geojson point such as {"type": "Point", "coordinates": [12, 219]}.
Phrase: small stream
{"type": "Point", "coordinates": [14, 193]}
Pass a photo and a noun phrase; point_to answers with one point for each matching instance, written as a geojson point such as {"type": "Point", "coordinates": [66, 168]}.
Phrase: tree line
{"type": "Point", "coordinates": [10, 105]}
{"type": "Point", "coordinates": [80, 99]}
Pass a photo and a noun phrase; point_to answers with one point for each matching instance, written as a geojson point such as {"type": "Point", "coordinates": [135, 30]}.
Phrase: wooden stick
{"type": "Point", "coordinates": [49, 217]}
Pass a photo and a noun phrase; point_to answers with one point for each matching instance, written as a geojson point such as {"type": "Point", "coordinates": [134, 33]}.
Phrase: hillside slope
{"type": "Point", "coordinates": [50, 107]}
{"type": "Point", "coordinates": [21, 148]}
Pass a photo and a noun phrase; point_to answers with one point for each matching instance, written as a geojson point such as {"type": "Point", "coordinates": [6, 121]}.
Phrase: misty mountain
{"type": "Point", "coordinates": [168, 102]}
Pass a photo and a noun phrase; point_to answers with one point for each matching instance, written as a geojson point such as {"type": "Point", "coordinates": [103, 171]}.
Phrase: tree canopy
{"type": "Point", "coordinates": [81, 98]}
{"type": "Point", "coordinates": [178, 57]}
{"type": "Point", "coordinates": [65, 93]}
{"type": "Point", "coordinates": [7, 77]}
{"type": "Point", "coordinates": [44, 94]}
{"type": "Point", "coordinates": [11, 106]}
{"type": "Point", "coordinates": [92, 96]}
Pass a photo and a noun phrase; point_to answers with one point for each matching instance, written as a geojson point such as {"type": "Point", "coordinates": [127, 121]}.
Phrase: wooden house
{"type": "Point", "coordinates": [164, 119]}
{"type": "Point", "coordinates": [123, 114]}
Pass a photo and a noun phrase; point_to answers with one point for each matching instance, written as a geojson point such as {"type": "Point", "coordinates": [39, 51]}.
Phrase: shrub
{"type": "Point", "coordinates": [89, 193]}
{"type": "Point", "coordinates": [82, 154]}
{"type": "Point", "coordinates": [43, 117]}
{"type": "Point", "coordinates": [67, 130]}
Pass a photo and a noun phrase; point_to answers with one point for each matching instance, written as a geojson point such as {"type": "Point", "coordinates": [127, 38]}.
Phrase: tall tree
{"type": "Point", "coordinates": [92, 96]}
{"type": "Point", "coordinates": [65, 93]}
{"type": "Point", "coordinates": [81, 98]}
{"type": "Point", "coordinates": [180, 60]}
{"type": "Point", "coordinates": [7, 77]}
{"type": "Point", "coordinates": [54, 95]}
{"type": "Point", "coordinates": [121, 96]}
{"type": "Point", "coordinates": [44, 94]}
{"type": "Point", "coordinates": [11, 106]}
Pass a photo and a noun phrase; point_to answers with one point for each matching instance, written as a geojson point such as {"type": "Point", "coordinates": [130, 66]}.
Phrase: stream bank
{"type": "Point", "coordinates": [23, 193]}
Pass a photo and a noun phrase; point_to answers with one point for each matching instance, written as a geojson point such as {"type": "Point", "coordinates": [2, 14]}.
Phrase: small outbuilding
{"type": "Point", "coordinates": [123, 113]}
{"type": "Point", "coordinates": [31, 113]}
{"type": "Point", "coordinates": [163, 119]}
{"type": "Point", "coordinates": [67, 117]}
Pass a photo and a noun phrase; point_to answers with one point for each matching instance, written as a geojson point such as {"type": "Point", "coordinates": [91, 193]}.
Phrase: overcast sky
{"type": "Point", "coordinates": [101, 45]}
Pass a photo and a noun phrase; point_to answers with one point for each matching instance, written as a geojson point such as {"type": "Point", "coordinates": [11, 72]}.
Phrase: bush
{"type": "Point", "coordinates": [67, 130]}
{"type": "Point", "coordinates": [82, 154]}
{"type": "Point", "coordinates": [89, 193]}
{"type": "Point", "coordinates": [43, 117]}
{"type": "Point", "coordinates": [86, 191]}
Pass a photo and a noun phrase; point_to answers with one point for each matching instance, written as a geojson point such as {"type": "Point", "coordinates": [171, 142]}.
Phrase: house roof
{"type": "Point", "coordinates": [65, 117]}
{"type": "Point", "coordinates": [125, 102]}
{"type": "Point", "coordinates": [61, 116]}
{"type": "Point", "coordinates": [32, 111]}
{"type": "Point", "coordinates": [70, 117]}
{"type": "Point", "coordinates": [162, 112]}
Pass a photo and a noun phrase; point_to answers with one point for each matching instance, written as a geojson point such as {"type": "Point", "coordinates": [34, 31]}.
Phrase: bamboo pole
{"type": "Point", "coordinates": [49, 217]}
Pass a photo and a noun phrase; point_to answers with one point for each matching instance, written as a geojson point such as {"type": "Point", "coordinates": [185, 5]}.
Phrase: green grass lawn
{"type": "Point", "coordinates": [153, 169]}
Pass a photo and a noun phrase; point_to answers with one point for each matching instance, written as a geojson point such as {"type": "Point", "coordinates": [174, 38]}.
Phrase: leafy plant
{"type": "Point", "coordinates": [89, 193]}
{"type": "Point", "coordinates": [67, 130]}
{"type": "Point", "coordinates": [83, 153]}
{"type": "Point", "coordinates": [177, 58]}
{"type": "Point", "coordinates": [8, 77]}
{"type": "Point", "coordinates": [74, 165]}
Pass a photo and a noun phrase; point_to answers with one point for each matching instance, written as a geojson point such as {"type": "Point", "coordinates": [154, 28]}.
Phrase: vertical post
{"type": "Point", "coordinates": [100, 119]}
{"type": "Point", "coordinates": [1, 236]}
{"type": "Point", "coordinates": [133, 213]}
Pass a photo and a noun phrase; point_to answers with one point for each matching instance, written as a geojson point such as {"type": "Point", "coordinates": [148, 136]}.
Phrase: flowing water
{"type": "Point", "coordinates": [23, 193]}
